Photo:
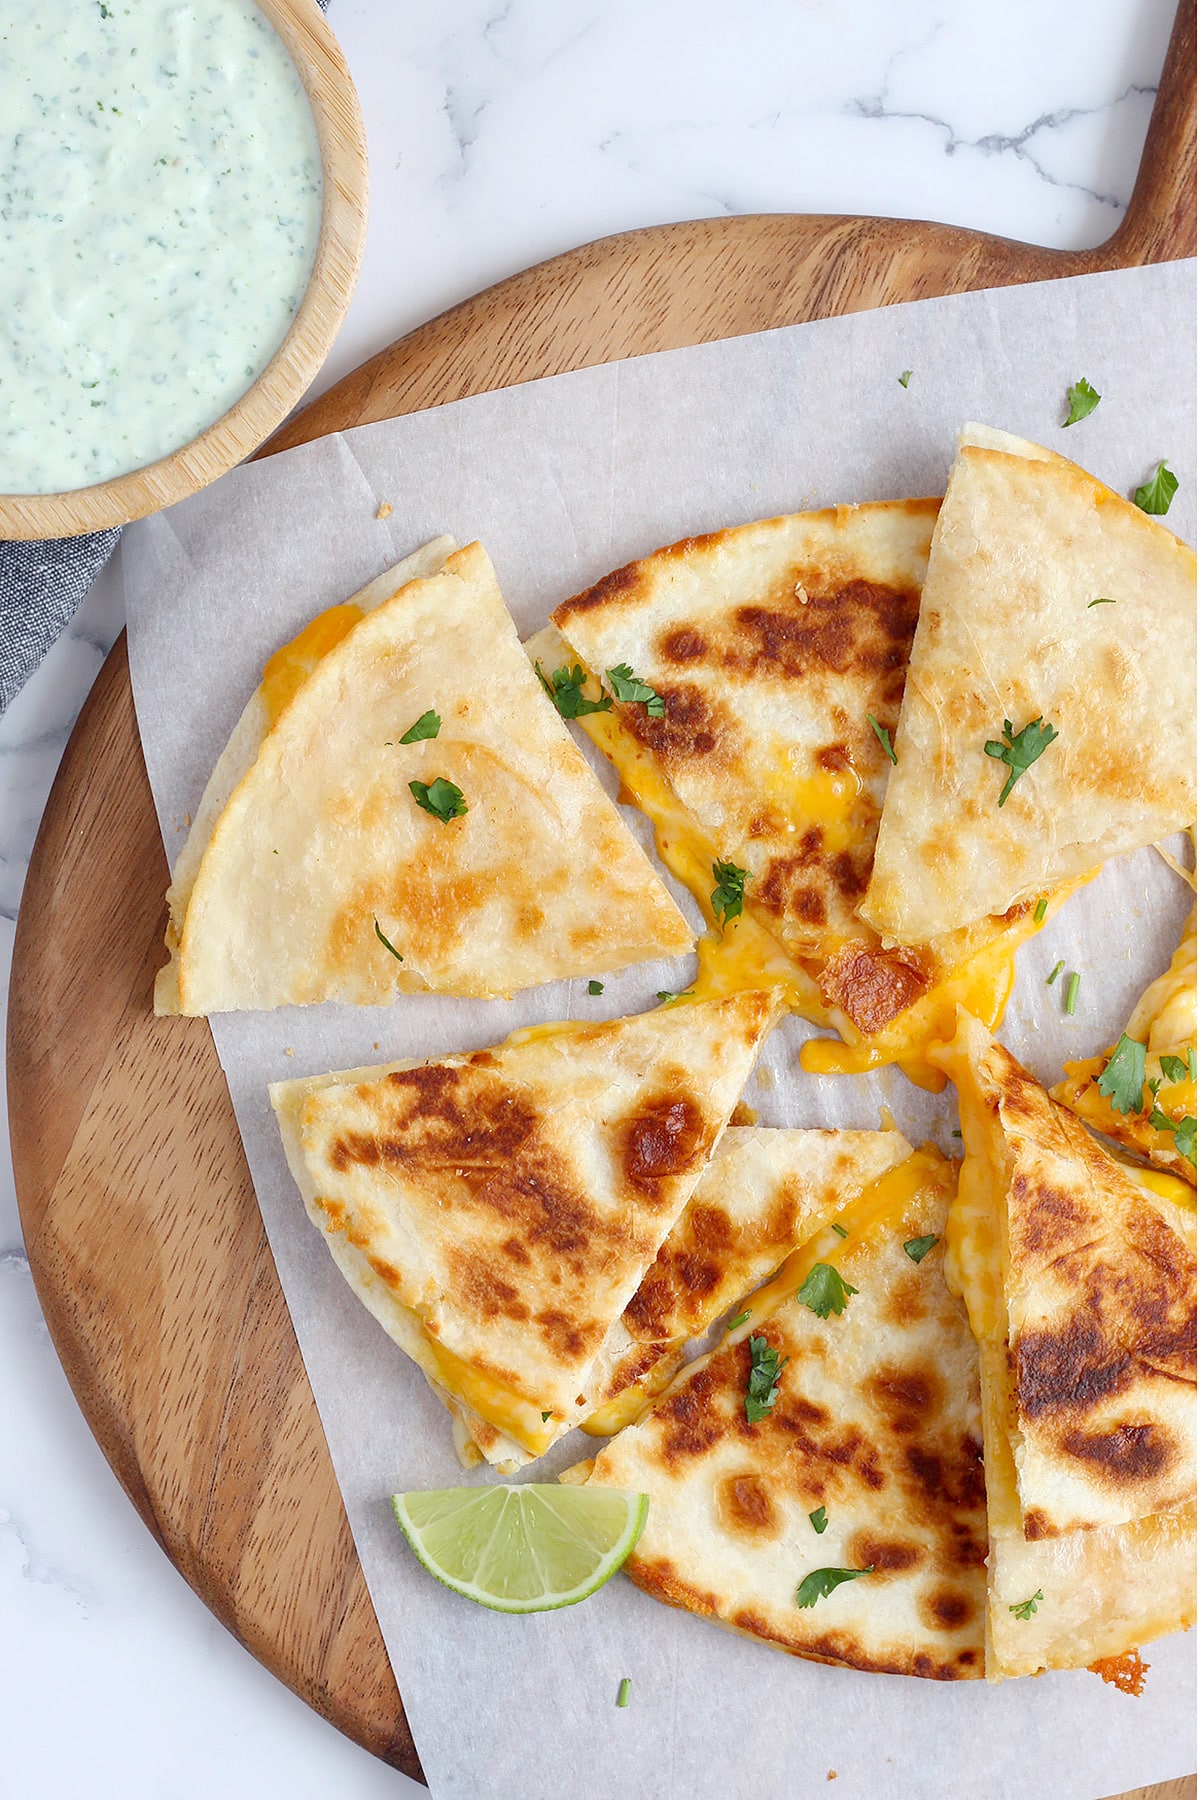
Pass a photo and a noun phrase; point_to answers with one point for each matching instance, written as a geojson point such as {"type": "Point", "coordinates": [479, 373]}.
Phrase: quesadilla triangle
{"type": "Point", "coordinates": [496, 1210]}
{"type": "Point", "coordinates": [1142, 1090]}
{"type": "Point", "coordinates": [1080, 1285]}
{"type": "Point", "coordinates": [843, 1519]}
{"type": "Point", "coordinates": [1048, 720]}
{"type": "Point", "coordinates": [401, 811]}
{"type": "Point", "coordinates": [770, 660]}
{"type": "Point", "coordinates": [764, 1193]}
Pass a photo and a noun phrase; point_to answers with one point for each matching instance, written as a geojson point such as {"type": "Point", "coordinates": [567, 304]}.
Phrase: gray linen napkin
{"type": "Point", "coordinates": [42, 585]}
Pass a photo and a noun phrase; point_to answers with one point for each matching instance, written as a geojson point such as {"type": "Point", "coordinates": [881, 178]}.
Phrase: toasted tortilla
{"type": "Point", "coordinates": [1164, 1020]}
{"type": "Point", "coordinates": [772, 647]}
{"type": "Point", "coordinates": [496, 1211]}
{"type": "Point", "coordinates": [320, 845]}
{"type": "Point", "coordinates": [876, 1421]}
{"type": "Point", "coordinates": [1085, 1282]}
{"type": "Point", "coordinates": [1024, 543]}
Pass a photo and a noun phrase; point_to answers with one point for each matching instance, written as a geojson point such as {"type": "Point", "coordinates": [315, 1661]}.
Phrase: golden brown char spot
{"type": "Point", "coordinates": [682, 644]}
{"type": "Point", "coordinates": [861, 625]}
{"type": "Point", "coordinates": [691, 725]}
{"type": "Point", "coordinates": [946, 1608]}
{"type": "Point", "coordinates": [872, 985]}
{"type": "Point", "coordinates": [663, 1139]}
{"type": "Point", "coordinates": [480, 1290]}
{"type": "Point", "coordinates": [691, 1421]}
{"type": "Point", "coordinates": [565, 1335]}
{"type": "Point", "coordinates": [1129, 1453]}
{"type": "Point", "coordinates": [659, 1576]}
{"type": "Point", "coordinates": [887, 1556]}
{"type": "Point", "coordinates": [1049, 1218]}
{"type": "Point", "coordinates": [622, 584]}
{"type": "Point", "coordinates": [910, 1399]}
{"type": "Point", "coordinates": [745, 1507]}
{"type": "Point", "coordinates": [386, 1271]}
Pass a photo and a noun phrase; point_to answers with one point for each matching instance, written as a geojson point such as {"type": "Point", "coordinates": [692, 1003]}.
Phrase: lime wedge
{"type": "Point", "coordinates": [522, 1549]}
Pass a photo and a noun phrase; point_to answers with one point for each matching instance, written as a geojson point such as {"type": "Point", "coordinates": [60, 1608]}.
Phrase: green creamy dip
{"type": "Point", "coordinates": [160, 202]}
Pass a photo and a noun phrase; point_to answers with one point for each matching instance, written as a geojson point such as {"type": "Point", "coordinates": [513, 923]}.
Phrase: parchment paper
{"type": "Point", "coordinates": [564, 480]}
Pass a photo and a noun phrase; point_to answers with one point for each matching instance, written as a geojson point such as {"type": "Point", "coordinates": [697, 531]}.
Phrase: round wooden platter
{"type": "Point", "coordinates": [140, 1219]}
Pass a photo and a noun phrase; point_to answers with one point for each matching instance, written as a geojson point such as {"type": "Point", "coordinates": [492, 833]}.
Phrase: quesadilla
{"type": "Point", "coordinates": [751, 682]}
{"type": "Point", "coordinates": [842, 1517]}
{"type": "Point", "coordinates": [1142, 1090]}
{"type": "Point", "coordinates": [1048, 720]}
{"type": "Point", "coordinates": [1080, 1285]}
{"type": "Point", "coordinates": [497, 1210]}
{"type": "Point", "coordinates": [400, 811]}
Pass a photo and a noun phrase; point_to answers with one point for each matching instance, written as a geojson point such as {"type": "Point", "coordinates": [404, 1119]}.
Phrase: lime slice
{"type": "Point", "coordinates": [522, 1549]}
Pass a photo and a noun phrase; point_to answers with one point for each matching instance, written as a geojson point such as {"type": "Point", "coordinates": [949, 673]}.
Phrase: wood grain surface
{"type": "Point", "coordinates": [141, 1223]}
{"type": "Point", "coordinates": [343, 145]}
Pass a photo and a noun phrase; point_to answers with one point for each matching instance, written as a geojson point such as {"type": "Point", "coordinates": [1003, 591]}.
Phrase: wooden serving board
{"type": "Point", "coordinates": [140, 1219]}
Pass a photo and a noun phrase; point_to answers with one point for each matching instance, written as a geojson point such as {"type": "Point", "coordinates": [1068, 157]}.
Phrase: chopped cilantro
{"type": "Point", "coordinates": [823, 1291]}
{"type": "Point", "coordinates": [1101, 600]}
{"type": "Point", "coordinates": [821, 1582]}
{"type": "Point", "coordinates": [762, 1390]}
{"type": "Point", "coordinates": [626, 686]}
{"type": "Point", "coordinates": [623, 1692]}
{"type": "Point", "coordinates": [1039, 911]}
{"type": "Point", "coordinates": [565, 688]}
{"type": "Point", "coordinates": [956, 1133]}
{"type": "Point", "coordinates": [918, 1248]}
{"type": "Point", "coordinates": [545, 1416]}
{"type": "Point", "coordinates": [818, 1520]}
{"type": "Point", "coordinates": [386, 944]}
{"type": "Point", "coordinates": [740, 1320]}
{"type": "Point", "coordinates": [1025, 1609]}
{"type": "Point", "coordinates": [1156, 495]}
{"type": "Point", "coordinates": [1124, 1075]}
{"type": "Point", "coordinates": [726, 897]}
{"type": "Point", "coordinates": [884, 736]}
{"type": "Point", "coordinates": [440, 797]}
{"type": "Point", "coordinates": [1173, 1067]}
{"type": "Point", "coordinates": [1055, 972]}
{"type": "Point", "coordinates": [1185, 1139]}
{"type": "Point", "coordinates": [665, 997]}
{"type": "Point", "coordinates": [595, 987]}
{"type": "Point", "coordinates": [840, 1229]}
{"type": "Point", "coordinates": [905, 378]}
{"type": "Point", "coordinates": [1020, 751]}
{"type": "Point", "coordinates": [1072, 994]}
{"type": "Point", "coordinates": [427, 726]}
{"type": "Point", "coordinates": [1082, 399]}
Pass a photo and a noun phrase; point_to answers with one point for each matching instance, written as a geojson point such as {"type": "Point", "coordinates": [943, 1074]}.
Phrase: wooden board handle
{"type": "Point", "coordinates": [1160, 224]}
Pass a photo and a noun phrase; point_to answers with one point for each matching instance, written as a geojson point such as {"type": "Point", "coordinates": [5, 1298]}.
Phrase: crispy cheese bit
{"type": "Point", "coordinates": [1127, 1672]}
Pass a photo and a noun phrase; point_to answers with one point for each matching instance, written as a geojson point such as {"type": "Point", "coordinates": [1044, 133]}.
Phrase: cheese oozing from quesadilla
{"type": "Point", "coordinates": [399, 810]}
{"type": "Point", "coordinates": [1164, 1023]}
{"type": "Point", "coordinates": [497, 1210]}
{"type": "Point", "coordinates": [1080, 1285]}
{"type": "Point", "coordinates": [1040, 733]}
{"type": "Point", "coordinates": [772, 647]}
{"type": "Point", "coordinates": [866, 1463]}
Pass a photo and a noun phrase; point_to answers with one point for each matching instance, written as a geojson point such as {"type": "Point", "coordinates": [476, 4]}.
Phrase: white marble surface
{"type": "Point", "coordinates": [501, 133]}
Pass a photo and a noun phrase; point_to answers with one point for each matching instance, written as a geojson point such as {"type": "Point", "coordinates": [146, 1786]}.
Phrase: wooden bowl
{"type": "Point", "coordinates": [271, 397]}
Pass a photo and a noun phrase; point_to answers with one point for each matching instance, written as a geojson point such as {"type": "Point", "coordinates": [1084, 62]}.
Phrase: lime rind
{"type": "Point", "coordinates": [530, 1548]}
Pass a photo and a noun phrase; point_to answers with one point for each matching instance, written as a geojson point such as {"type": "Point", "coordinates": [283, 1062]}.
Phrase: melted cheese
{"type": "Point", "coordinates": [631, 1402]}
{"type": "Point", "coordinates": [1165, 1016]}
{"type": "Point", "coordinates": [509, 1412]}
{"type": "Point", "coordinates": [292, 664]}
{"type": "Point", "coordinates": [746, 954]}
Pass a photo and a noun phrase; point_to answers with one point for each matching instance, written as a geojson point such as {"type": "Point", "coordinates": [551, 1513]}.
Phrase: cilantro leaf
{"type": "Point", "coordinates": [918, 1248]}
{"type": "Point", "coordinates": [386, 944]}
{"type": "Point", "coordinates": [884, 736]}
{"type": "Point", "coordinates": [1025, 1609]}
{"type": "Point", "coordinates": [1082, 399]}
{"type": "Point", "coordinates": [1185, 1139]}
{"type": "Point", "coordinates": [545, 1416]}
{"type": "Point", "coordinates": [1021, 751]}
{"type": "Point", "coordinates": [818, 1520]}
{"type": "Point", "coordinates": [1101, 600]}
{"type": "Point", "coordinates": [823, 1291]}
{"type": "Point", "coordinates": [762, 1390]}
{"type": "Point", "coordinates": [1124, 1075]}
{"type": "Point", "coordinates": [595, 987]}
{"type": "Point", "coordinates": [905, 378]}
{"type": "Point", "coordinates": [440, 797]}
{"type": "Point", "coordinates": [565, 688]}
{"type": "Point", "coordinates": [626, 686]}
{"type": "Point", "coordinates": [665, 997]}
{"type": "Point", "coordinates": [427, 726]}
{"type": "Point", "coordinates": [1156, 495]}
{"type": "Point", "coordinates": [726, 897]}
{"type": "Point", "coordinates": [1173, 1067]}
{"type": "Point", "coordinates": [821, 1582]}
